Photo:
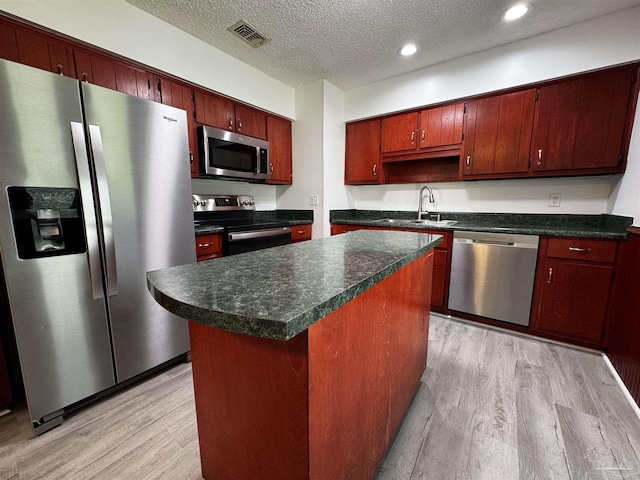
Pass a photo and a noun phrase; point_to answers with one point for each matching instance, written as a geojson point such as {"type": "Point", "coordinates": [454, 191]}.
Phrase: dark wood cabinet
{"type": "Point", "coordinates": [180, 95]}
{"type": "Point", "coordinates": [221, 112]}
{"type": "Point", "coordinates": [623, 347]}
{"type": "Point", "coordinates": [338, 229]}
{"type": "Point", "coordinates": [581, 124]}
{"type": "Point", "coordinates": [572, 288]}
{"type": "Point", "coordinates": [430, 129]}
{"type": "Point", "coordinates": [362, 153]}
{"type": "Point", "coordinates": [300, 233]}
{"type": "Point", "coordinates": [208, 246]}
{"type": "Point", "coordinates": [497, 135]}
{"type": "Point", "coordinates": [280, 150]}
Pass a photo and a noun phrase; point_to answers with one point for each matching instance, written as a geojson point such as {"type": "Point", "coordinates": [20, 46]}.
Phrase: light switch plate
{"type": "Point", "coordinates": [313, 200]}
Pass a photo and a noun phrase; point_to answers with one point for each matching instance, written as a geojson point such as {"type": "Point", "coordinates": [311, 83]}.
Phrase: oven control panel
{"type": "Point", "coordinates": [223, 203]}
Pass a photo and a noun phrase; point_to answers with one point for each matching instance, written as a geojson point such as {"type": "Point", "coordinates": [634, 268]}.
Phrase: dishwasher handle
{"type": "Point", "coordinates": [484, 242]}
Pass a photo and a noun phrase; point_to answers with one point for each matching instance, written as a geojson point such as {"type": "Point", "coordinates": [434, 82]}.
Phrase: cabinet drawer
{"type": "Point", "coordinates": [300, 233]}
{"type": "Point", "coordinates": [208, 246]}
{"type": "Point", "coordinates": [583, 249]}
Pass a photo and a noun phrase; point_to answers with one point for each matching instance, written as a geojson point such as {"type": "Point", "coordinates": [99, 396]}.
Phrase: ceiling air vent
{"type": "Point", "coordinates": [249, 34]}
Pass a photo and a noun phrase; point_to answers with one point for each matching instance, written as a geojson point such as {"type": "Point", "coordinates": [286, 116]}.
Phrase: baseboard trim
{"type": "Point", "coordinates": [624, 388]}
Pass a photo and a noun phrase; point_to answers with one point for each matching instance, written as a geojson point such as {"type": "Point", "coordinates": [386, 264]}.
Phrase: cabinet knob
{"type": "Point", "coordinates": [550, 276]}
{"type": "Point", "coordinates": [59, 67]}
{"type": "Point", "coordinates": [230, 124]}
{"type": "Point", "coordinates": [539, 162]}
{"type": "Point", "coordinates": [85, 77]}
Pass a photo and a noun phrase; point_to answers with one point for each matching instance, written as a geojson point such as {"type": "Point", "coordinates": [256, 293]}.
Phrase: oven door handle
{"type": "Point", "coordinates": [271, 232]}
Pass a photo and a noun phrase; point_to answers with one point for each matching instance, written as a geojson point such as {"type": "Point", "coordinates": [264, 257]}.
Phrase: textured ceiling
{"type": "Point", "coordinates": [352, 43]}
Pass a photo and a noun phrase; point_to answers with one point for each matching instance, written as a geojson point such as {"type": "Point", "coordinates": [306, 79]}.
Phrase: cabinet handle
{"type": "Point", "coordinates": [580, 250]}
{"type": "Point", "coordinates": [550, 275]}
{"type": "Point", "coordinates": [539, 157]}
{"type": "Point", "coordinates": [204, 245]}
{"type": "Point", "coordinates": [190, 158]}
{"type": "Point", "coordinates": [59, 67]}
{"type": "Point", "coordinates": [300, 232]}
{"type": "Point", "coordinates": [468, 162]}
{"type": "Point", "coordinates": [413, 137]}
{"type": "Point", "coordinates": [375, 169]}
{"type": "Point", "coordinates": [271, 167]}
{"type": "Point", "coordinates": [422, 136]}
{"type": "Point", "coordinates": [230, 124]}
{"type": "Point", "coordinates": [239, 123]}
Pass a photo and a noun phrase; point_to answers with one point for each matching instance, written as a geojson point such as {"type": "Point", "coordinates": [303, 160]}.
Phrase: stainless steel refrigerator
{"type": "Point", "coordinates": [94, 192]}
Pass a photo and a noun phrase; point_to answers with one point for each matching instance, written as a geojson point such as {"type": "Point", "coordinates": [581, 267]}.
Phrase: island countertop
{"type": "Point", "coordinates": [279, 292]}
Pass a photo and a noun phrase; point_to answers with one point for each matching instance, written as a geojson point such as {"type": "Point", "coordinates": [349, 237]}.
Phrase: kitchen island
{"type": "Point", "coordinates": [305, 356]}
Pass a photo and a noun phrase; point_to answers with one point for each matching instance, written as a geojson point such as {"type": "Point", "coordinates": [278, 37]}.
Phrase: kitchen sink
{"type": "Point", "coordinates": [433, 223]}
{"type": "Point", "coordinates": [406, 222]}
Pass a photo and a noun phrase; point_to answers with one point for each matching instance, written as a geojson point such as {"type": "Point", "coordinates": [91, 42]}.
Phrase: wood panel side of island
{"type": "Point", "coordinates": [323, 405]}
{"type": "Point", "coordinates": [365, 364]}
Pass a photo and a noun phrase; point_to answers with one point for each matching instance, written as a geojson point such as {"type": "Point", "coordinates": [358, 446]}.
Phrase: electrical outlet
{"type": "Point", "coordinates": [554, 199]}
{"type": "Point", "coordinates": [313, 200]}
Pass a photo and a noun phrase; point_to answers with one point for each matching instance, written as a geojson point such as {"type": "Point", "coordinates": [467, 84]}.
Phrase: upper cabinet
{"type": "Point", "coordinates": [428, 131]}
{"type": "Point", "coordinates": [180, 95]}
{"type": "Point", "coordinates": [497, 134]}
{"type": "Point", "coordinates": [280, 150]}
{"type": "Point", "coordinates": [362, 153]}
{"type": "Point", "coordinates": [581, 124]}
{"type": "Point", "coordinates": [221, 112]}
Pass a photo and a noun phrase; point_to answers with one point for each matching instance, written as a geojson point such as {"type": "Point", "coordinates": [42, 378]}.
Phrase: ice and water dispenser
{"type": "Point", "coordinates": [47, 221]}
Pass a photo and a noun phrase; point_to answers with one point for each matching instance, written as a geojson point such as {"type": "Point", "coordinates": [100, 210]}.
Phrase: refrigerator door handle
{"type": "Point", "coordinates": [95, 137]}
{"type": "Point", "coordinates": [88, 207]}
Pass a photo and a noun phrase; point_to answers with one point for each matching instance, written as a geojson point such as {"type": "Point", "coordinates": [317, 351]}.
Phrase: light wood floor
{"type": "Point", "coordinates": [491, 406]}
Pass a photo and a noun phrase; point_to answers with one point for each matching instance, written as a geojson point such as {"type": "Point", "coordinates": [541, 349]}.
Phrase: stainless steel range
{"type": "Point", "coordinates": [243, 232]}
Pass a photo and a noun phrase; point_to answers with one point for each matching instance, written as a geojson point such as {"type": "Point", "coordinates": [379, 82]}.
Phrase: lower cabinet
{"type": "Point", "coordinates": [300, 233]}
{"type": "Point", "coordinates": [572, 289]}
{"type": "Point", "coordinates": [337, 229]}
{"type": "Point", "coordinates": [208, 246]}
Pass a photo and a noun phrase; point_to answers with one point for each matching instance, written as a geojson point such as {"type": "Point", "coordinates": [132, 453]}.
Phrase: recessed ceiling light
{"type": "Point", "coordinates": [515, 12]}
{"type": "Point", "coordinates": [407, 50]}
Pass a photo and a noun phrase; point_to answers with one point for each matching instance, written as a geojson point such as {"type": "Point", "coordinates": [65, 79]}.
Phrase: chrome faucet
{"type": "Point", "coordinates": [431, 200]}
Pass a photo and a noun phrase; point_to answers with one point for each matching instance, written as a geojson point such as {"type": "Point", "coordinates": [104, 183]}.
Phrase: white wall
{"type": "Point", "coordinates": [128, 31]}
{"type": "Point", "coordinates": [308, 145]}
{"type": "Point", "coordinates": [625, 198]}
{"type": "Point", "coordinates": [335, 194]}
{"type": "Point", "coordinates": [595, 44]}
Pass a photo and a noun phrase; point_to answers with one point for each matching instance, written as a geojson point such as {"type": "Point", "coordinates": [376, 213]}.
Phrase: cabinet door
{"type": "Point", "coordinates": [280, 150]}
{"type": "Point", "coordinates": [498, 133]}
{"type": "Point", "coordinates": [439, 284]}
{"type": "Point", "coordinates": [573, 299]}
{"type": "Point", "coordinates": [95, 69]}
{"type": "Point", "coordinates": [250, 121]}
{"type": "Point", "coordinates": [399, 133]}
{"type": "Point", "coordinates": [181, 96]}
{"type": "Point", "coordinates": [219, 112]}
{"type": "Point", "coordinates": [8, 42]}
{"type": "Point", "coordinates": [441, 126]}
{"type": "Point", "coordinates": [362, 152]}
{"type": "Point", "coordinates": [580, 124]}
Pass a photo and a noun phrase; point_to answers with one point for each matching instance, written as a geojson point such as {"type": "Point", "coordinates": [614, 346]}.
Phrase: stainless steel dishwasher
{"type": "Point", "coordinates": [492, 275]}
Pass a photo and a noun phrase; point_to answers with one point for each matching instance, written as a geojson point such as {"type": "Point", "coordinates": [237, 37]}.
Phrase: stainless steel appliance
{"type": "Point", "coordinates": [492, 275]}
{"type": "Point", "coordinates": [230, 155]}
{"type": "Point", "coordinates": [94, 192]}
{"type": "Point", "coordinates": [242, 231]}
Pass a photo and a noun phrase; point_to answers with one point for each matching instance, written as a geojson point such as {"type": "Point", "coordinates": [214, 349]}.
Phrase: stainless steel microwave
{"type": "Point", "coordinates": [229, 155]}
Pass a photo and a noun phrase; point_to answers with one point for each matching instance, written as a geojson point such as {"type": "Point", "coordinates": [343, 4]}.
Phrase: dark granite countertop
{"type": "Point", "coordinates": [294, 217]}
{"type": "Point", "coordinates": [561, 225]}
{"type": "Point", "coordinates": [291, 286]}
